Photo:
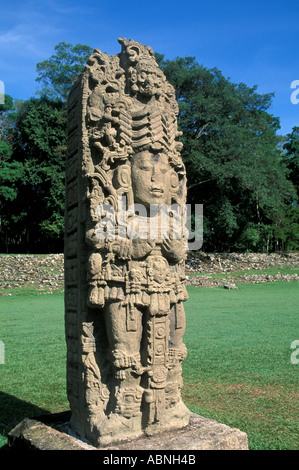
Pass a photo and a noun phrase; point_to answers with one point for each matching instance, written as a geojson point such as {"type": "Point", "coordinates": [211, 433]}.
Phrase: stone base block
{"type": "Point", "coordinates": [200, 434]}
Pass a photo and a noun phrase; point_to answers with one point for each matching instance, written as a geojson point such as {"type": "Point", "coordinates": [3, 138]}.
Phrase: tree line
{"type": "Point", "coordinates": [240, 169]}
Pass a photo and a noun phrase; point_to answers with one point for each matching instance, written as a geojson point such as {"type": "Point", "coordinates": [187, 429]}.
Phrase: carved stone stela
{"type": "Point", "coordinates": [124, 274]}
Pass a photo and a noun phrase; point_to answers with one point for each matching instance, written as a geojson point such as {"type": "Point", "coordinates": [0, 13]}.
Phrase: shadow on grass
{"type": "Point", "coordinates": [13, 410]}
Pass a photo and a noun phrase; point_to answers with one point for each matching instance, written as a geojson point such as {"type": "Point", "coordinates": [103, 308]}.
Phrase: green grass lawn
{"type": "Point", "coordinates": [32, 379]}
{"type": "Point", "coordinates": [238, 370]}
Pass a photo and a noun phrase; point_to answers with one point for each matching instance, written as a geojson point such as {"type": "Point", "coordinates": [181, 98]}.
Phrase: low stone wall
{"type": "Point", "coordinates": [238, 267]}
{"type": "Point", "coordinates": [44, 273]}
{"type": "Point", "coordinates": [233, 262]}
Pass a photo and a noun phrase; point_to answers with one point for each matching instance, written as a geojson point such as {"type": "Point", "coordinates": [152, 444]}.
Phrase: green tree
{"type": "Point", "coordinates": [230, 151]}
{"type": "Point", "coordinates": [32, 166]}
{"type": "Point", "coordinates": [291, 158]}
{"type": "Point", "coordinates": [235, 166]}
{"type": "Point", "coordinates": [58, 73]}
{"type": "Point", "coordinates": [7, 117]}
{"type": "Point", "coordinates": [11, 172]}
{"type": "Point", "coordinates": [40, 146]}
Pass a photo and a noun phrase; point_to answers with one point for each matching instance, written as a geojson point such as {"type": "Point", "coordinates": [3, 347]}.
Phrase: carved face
{"type": "Point", "coordinates": [146, 81]}
{"type": "Point", "coordinates": [151, 178]}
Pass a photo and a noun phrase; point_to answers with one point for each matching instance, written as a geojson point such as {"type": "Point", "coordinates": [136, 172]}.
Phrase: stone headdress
{"type": "Point", "coordinates": [130, 107]}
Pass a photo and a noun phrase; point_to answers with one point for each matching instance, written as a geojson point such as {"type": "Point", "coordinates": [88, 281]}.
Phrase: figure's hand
{"type": "Point", "coordinates": [141, 248]}
{"type": "Point", "coordinates": [122, 248]}
{"type": "Point", "coordinates": [173, 249]}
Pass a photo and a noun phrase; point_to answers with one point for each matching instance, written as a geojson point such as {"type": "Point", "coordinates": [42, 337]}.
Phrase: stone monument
{"type": "Point", "coordinates": [125, 247]}
{"type": "Point", "coordinates": [124, 250]}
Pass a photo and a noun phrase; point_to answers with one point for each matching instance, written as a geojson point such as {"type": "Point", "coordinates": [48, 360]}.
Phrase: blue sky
{"type": "Point", "coordinates": [255, 42]}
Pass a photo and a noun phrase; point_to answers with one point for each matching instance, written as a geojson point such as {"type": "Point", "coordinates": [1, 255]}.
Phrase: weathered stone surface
{"type": "Point", "coordinates": [31, 434]}
{"type": "Point", "coordinates": [230, 286]}
{"type": "Point", "coordinates": [124, 249]}
{"type": "Point", "coordinates": [200, 434]}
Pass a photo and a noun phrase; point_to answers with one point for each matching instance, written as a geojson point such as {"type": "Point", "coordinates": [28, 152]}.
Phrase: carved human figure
{"type": "Point", "coordinates": [145, 331]}
{"type": "Point", "coordinates": [132, 193]}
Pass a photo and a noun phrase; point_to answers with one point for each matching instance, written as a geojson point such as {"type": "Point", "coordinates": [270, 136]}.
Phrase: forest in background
{"type": "Point", "coordinates": [238, 167]}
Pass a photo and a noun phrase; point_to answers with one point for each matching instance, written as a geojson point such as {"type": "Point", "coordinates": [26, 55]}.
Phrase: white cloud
{"type": "Point", "coordinates": [32, 30]}
{"type": "Point", "coordinates": [27, 39]}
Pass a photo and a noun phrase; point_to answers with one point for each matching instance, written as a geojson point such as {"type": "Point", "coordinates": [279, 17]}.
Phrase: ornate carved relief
{"type": "Point", "coordinates": [126, 189]}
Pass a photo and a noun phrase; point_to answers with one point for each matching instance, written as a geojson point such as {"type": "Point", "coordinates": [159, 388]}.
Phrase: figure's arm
{"type": "Point", "coordinates": [174, 250]}
{"type": "Point", "coordinates": [135, 249]}
{"type": "Point", "coordinates": [142, 247]}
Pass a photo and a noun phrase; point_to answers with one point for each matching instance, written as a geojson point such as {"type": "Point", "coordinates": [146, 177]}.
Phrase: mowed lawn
{"type": "Point", "coordinates": [238, 370]}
